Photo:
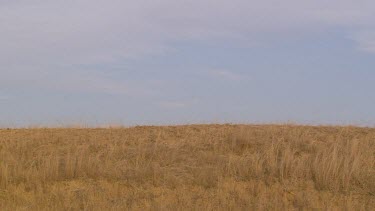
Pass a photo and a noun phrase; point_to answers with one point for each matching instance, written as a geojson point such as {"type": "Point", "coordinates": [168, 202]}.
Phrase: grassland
{"type": "Point", "coordinates": [196, 167]}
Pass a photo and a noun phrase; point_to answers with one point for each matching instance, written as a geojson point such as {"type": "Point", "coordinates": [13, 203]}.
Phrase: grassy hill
{"type": "Point", "coordinates": [195, 167]}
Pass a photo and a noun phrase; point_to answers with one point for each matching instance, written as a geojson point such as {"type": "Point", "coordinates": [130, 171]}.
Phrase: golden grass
{"type": "Point", "coordinates": [197, 167]}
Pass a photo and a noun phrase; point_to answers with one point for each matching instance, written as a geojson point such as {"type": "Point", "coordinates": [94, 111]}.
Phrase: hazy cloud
{"type": "Point", "coordinates": [177, 104]}
{"type": "Point", "coordinates": [82, 31]}
{"type": "Point", "coordinates": [172, 104]}
{"type": "Point", "coordinates": [366, 41]}
{"type": "Point", "coordinates": [228, 75]}
{"type": "Point", "coordinates": [2, 98]}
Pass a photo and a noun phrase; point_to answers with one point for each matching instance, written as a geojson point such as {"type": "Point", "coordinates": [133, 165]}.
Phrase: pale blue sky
{"type": "Point", "coordinates": [174, 62]}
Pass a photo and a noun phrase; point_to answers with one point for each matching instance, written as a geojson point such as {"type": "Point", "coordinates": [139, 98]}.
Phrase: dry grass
{"type": "Point", "coordinates": [198, 167]}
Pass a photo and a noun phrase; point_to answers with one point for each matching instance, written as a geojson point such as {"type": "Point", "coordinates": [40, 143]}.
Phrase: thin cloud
{"type": "Point", "coordinates": [177, 104]}
{"type": "Point", "coordinates": [226, 74]}
{"type": "Point", "coordinates": [74, 80]}
{"type": "Point", "coordinates": [365, 41]}
{"type": "Point", "coordinates": [4, 98]}
{"type": "Point", "coordinates": [85, 31]}
{"type": "Point", "coordinates": [101, 85]}
{"type": "Point", "coordinates": [172, 104]}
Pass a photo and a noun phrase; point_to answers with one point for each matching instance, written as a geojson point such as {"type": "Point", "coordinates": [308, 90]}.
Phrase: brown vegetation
{"type": "Point", "coordinates": [197, 167]}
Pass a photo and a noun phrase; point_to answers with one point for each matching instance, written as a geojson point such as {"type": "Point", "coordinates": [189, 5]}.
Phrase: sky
{"type": "Point", "coordinates": [121, 62]}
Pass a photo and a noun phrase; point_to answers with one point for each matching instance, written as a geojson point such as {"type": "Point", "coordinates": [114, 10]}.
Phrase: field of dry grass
{"type": "Point", "coordinates": [197, 167]}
